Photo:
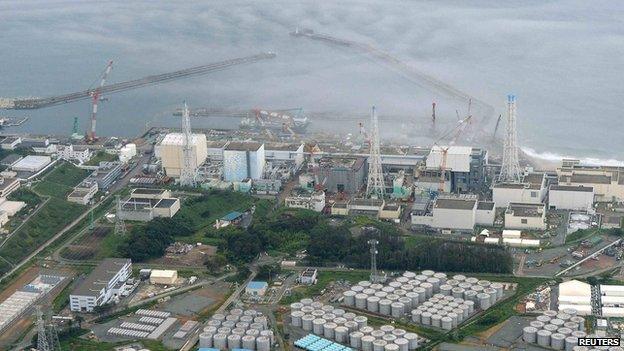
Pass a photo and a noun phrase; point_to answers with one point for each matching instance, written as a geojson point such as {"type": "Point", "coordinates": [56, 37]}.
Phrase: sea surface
{"type": "Point", "coordinates": [561, 58]}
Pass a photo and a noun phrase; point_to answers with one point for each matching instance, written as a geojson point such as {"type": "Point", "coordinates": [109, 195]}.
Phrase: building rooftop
{"type": "Point", "coordinates": [166, 203]}
{"type": "Point", "coordinates": [525, 210]}
{"type": "Point", "coordinates": [216, 144]}
{"type": "Point", "coordinates": [100, 276]}
{"type": "Point", "coordinates": [485, 205]}
{"type": "Point", "coordinates": [353, 163]}
{"type": "Point", "coordinates": [455, 204]}
{"type": "Point", "coordinates": [10, 160]}
{"type": "Point", "coordinates": [579, 188]}
{"type": "Point", "coordinates": [366, 202]}
{"type": "Point", "coordinates": [256, 285]}
{"type": "Point", "coordinates": [148, 191]}
{"type": "Point", "coordinates": [590, 178]}
{"type": "Point", "coordinates": [391, 207]}
{"type": "Point", "coordinates": [231, 216]}
{"type": "Point", "coordinates": [243, 146]}
{"type": "Point", "coordinates": [179, 139]}
{"type": "Point", "coordinates": [282, 146]}
{"type": "Point", "coordinates": [534, 178]}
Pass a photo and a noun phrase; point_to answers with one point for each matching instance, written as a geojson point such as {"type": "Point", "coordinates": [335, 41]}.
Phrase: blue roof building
{"type": "Point", "coordinates": [256, 288]}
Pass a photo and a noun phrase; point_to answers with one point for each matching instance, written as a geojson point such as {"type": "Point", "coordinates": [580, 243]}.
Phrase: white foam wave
{"type": "Point", "coordinates": [554, 157]}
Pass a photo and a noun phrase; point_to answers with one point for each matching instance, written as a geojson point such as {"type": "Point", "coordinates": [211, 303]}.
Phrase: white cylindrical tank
{"type": "Point", "coordinates": [416, 315]}
{"type": "Point", "coordinates": [413, 297]}
{"type": "Point", "coordinates": [263, 343]}
{"type": "Point", "coordinates": [470, 295]}
{"type": "Point", "coordinates": [395, 284]}
{"type": "Point", "coordinates": [377, 334]}
{"type": "Point", "coordinates": [392, 297]}
{"type": "Point", "coordinates": [329, 329]}
{"type": "Point", "coordinates": [412, 338]}
{"type": "Point", "coordinates": [452, 282]}
{"type": "Point", "coordinates": [234, 341]}
{"type": "Point", "coordinates": [402, 343]}
{"type": "Point", "coordinates": [318, 313]}
{"type": "Point", "coordinates": [564, 316]}
{"type": "Point", "coordinates": [454, 317]}
{"type": "Point", "coordinates": [329, 316]}
{"type": "Point", "coordinates": [558, 322]}
{"type": "Point", "coordinates": [478, 288]}
{"type": "Point", "coordinates": [361, 321]}
{"type": "Point", "coordinates": [492, 293]}
{"type": "Point", "coordinates": [428, 289]}
{"type": "Point", "coordinates": [349, 298]}
{"type": "Point", "coordinates": [386, 328]}
{"type": "Point", "coordinates": [376, 286]}
{"type": "Point", "coordinates": [367, 330]}
{"type": "Point", "coordinates": [389, 338]}
{"type": "Point", "coordinates": [369, 292]}
{"type": "Point", "coordinates": [543, 318]}
{"type": "Point", "coordinates": [295, 318]}
{"type": "Point", "coordinates": [306, 322]}
{"type": "Point", "coordinates": [580, 321]}
{"type": "Point", "coordinates": [460, 315]}
{"type": "Point", "coordinates": [219, 341]}
{"type": "Point", "coordinates": [357, 288]}
{"type": "Point", "coordinates": [459, 277]}
{"type": "Point", "coordinates": [435, 282]}
{"type": "Point", "coordinates": [458, 292]}
{"type": "Point", "coordinates": [360, 301]}
{"type": "Point", "coordinates": [388, 289]}
{"type": "Point", "coordinates": [570, 342]}
{"type": "Point", "coordinates": [422, 293]}
{"type": "Point", "coordinates": [398, 332]}
{"type": "Point", "coordinates": [381, 294]}
{"type": "Point", "coordinates": [249, 342]}
{"type": "Point", "coordinates": [537, 324]}
{"type": "Point", "coordinates": [355, 339]}
{"type": "Point", "coordinates": [296, 306]}
{"type": "Point", "coordinates": [304, 309]}
{"type": "Point", "coordinates": [484, 283]}
{"type": "Point", "coordinates": [372, 304]}
{"type": "Point", "coordinates": [409, 275]}
{"type": "Point", "coordinates": [391, 347]}
{"type": "Point", "coordinates": [565, 331]}
{"type": "Point", "coordinates": [484, 301]}
{"type": "Point", "coordinates": [341, 334]}
{"type": "Point", "coordinates": [499, 290]}
{"type": "Point", "coordinates": [425, 318]}
{"type": "Point", "coordinates": [551, 328]}
{"type": "Point", "coordinates": [379, 345]}
{"type": "Point", "coordinates": [210, 329]}
{"type": "Point", "coordinates": [471, 280]}
{"type": "Point", "coordinates": [529, 334]}
{"type": "Point", "coordinates": [306, 302]}
{"type": "Point", "coordinates": [543, 338]}
{"type": "Point", "coordinates": [224, 330]}
{"type": "Point", "coordinates": [351, 326]}
{"type": "Point", "coordinates": [385, 307]}
{"type": "Point", "coordinates": [252, 332]}
{"type": "Point", "coordinates": [435, 320]}
{"type": "Point", "coordinates": [427, 273]}
{"type": "Point", "coordinates": [317, 326]}
{"type": "Point", "coordinates": [446, 289]}
{"type": "Point", "coordinates": [446, 323]}
{"type": "Point", "coordinates": [239, 331]}
{"type": "Point", "coordinates": [550, 313]}
{"type": "Point", "coordinates": [398, 309]}
{"type": "Point", "coordinates": [557, 341]}
{"type": "Point", "coordinates": [205, 340]}
{"type": "Point", "coordinates": [339, 312]}
{"type": "Point", "coordinates": [269, 334]}
{"type": "Point", "coordinates": [218, 317]}
{"type": "Point", "coordinates": [421, 277]}
{"type": "Point", "coordinates": [571, 325]}
{"type": "Point", "coordinates": [365, 283]}
{"type": "Point", "coordinates": [367, 342]}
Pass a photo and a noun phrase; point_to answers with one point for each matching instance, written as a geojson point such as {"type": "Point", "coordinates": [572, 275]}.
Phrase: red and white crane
{"type": "Point", "coordinates": [95, 99]}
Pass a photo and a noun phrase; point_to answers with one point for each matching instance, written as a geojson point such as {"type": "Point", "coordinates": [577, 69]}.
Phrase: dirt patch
{"type": "Point", "coordinates": [88, 246]}
{"type": "Point", "coordinates": [603, 262]}
{"type": "Point", "coordinates": [193, 258]}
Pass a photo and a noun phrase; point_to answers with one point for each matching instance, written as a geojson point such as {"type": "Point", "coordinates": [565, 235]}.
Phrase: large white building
{"type": "Point", "coordinates": [171, 152]}
{"type": "Point", "coordinates": [457, 158]}
{"type": "Point", "coordinates": [567, 197]}
{"type": "Point", "coordinates": [243, 160]}
{"type": "Point", "coordinates": [612, 300]}
{"type": "Point", "coordinates": [72, 153]}
{"type": "Point", "coordinates": [32, 163]}
{"type": "Point", "coordinates": [313, 201]}
{"type": "Point", "coordinates": [577, 295]}
{"type": "Point", "coordinates": [284, 152]}
{"type": "Point", "coordinates": [532, 190]}
{"type": "Point", "coordinates": [607, 182]}
{"type": "Point", "coordinates": [525, 216]}
{"type": "Point", "coordinates": [104, 283]}
{"type": "Point", "coordinates": [456, 213]}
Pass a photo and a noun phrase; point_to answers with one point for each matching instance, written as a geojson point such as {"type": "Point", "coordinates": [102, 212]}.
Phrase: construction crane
{"type": "Point", "coordinates": [95, 99]}
{"type": "Point", "coordinates": [497, 123]}
{"type": "Point", "coordinates": [453, 134]}
{"type": "Point", "coordinates": [433, 116]}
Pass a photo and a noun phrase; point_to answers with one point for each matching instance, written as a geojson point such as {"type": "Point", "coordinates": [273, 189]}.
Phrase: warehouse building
{"type": "Point", "coordinates": [83, 192]}
{"type": "Point", "coordinates": [32, 163]}
{"type": "Point", "coordinates": [453, 213]}
{"type": "Point", "coordinates": [342, 174]}
{"type": "Point", "coordinates": [577, 295]}
{"type": "Point", "coordinates": [103, 284]}
{"type": "Point", "coordinates": [10, 142]}
{"type": "Point", "coordinates": [243, 160]}
{"type": "Point", "coordinates": [612, 300]}
{"type": "Point", "coordinates": [531, 190]}
{"type": "Point", "coordinates": [309, 201]}
{"type": "Point", "coordinates": [163, 277]}
{"type": "Point", "coordinates": [8, 185]}
{"type": "Point", "coordinates": [171, 151]}
{"type": "Point", "coordinates": [106, 174]}
{"type": "Point", "coordinates": [567, 197]}
{"type": "Point", "coordinates": [525, 216]}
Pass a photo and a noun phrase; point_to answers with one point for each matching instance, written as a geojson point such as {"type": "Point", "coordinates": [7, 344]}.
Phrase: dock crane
{"type": "Point", "coordinates": [454, 134]}
{"type": "Point", "coordinates": [95, 99]}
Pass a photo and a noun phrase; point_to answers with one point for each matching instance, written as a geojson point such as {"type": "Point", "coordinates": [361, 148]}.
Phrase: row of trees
{"type": "Point", "coordinates": [151, 240]}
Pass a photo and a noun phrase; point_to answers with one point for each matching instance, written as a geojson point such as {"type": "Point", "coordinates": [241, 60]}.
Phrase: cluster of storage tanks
{"type": "Point", "coordinates": [557, 330]}
{"type": "Point", "coordinates": [428, 298]}
{"type": "Point", "coordinates": [348, 328]}
{"type": "Point", "coordinates": [237, 330]}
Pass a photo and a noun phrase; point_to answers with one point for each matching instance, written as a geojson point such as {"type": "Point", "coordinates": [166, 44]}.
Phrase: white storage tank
{"type": "Point", "coordinates": [367, 342]}
{"type": "Point", "coordinates": [296, 306]}
{"type": "Point", "coordinates": [427, 273]}
{"type": "Point", "coordinates": [446, 323]}
{"type": "Point", "coordinates": [557, 341]}
{"type": "Point", "coordinates": [412, 338]}
{"type": "Point", "coordinates": [570, 342]}
{"type": "Point", "coordinates": [402, 343]}
{"type": "Point", "coordinates": [339, 312]}
{"type": "Point", "coordinates": [234, 341]}
{"type": "Point", "coordinates": [372, 304]}
{"type": "Point", "coordinates": [543, 318]}
{"type": "Point", "coordinates": [470, 295]}
{"type": "Point", "coordinates": [550, 313]}
{"type": "Point", "coordinates": [543, 338]}
{"type": "Point", "coordinates": [306, 302]}
{"type": "Point", "coordinates": [379, 345]}
{"type": "Point", "coordinates": [565, 331]}
{"type": "Point", "coordinates": [295, 318]}
{"type": "Point", "coordinates": [428, 289]}
{"type": "Point", "coordinates": [398, 309]}
{"type": "Point", "coordinates": [391, 347]}
{"type": "Point", "coordinates": [389, 338]}
{"type": "Point", "coordinates": [413, 298]}
{"type": "Point", "coordinates": [364, 283]}
{"type": "Point", "coordinates": [499, 290]}
{"type": "Point", "coordinates": [357, 288]}
{"type": "Point", "coordinates": [306, 322]}
{"type": "Point", "coordinates": [205, 340]}
{"type": "Point", "coordinates": [360, 301]}
{"type": "Point", "coordinates": [219, 341]}
{"type": "Point", "coordinates": [351, 326]}
{"type": "Point", "coordinates": [349, 298]}
{"type": "Point", "coordinates": [435, 320]}
{"type": "Point", "coordinates": [529, 334]}
{"type": "Point", "coordinates": [384, 307]}
{"type": "Point", "coordinates": [471, 280]}
{"type": "Point", "coordinates": [377, 334]}
{"type": "Point", "coordinates": [492, 293]}
{"type": "Point", "coordinates": [367, 330]}
{"type": "Point", "coordinates": [446, 289]}
{"type": "Point", "coordinates": [341, 334]}
{"type": "Point", "coordinates": [452, 282]}
{"type": "Point", "coordinates": [416, 315]}
{"type": "Point", "coordinates": [563, 316]}
{"type": "Point", "coordinates": [381, 294]}
{"type": "Point", "coordinates": [457, 292]}
{"type": "Point", "coordinates": [484, 283]}
{"type": "Point", "coordinates": [252, 332]}
{"type": "Point", "coordinates": [376, 287]}
{"type": "Point", "coordinates": [459, 277]}
{"type": "Point", "coordinates": [425, 318]}
{"type": "Point", "coordinates": [386, 328]}
{"type": "Point", "coordinates": [558, 322]}
{"type": "Point", "coordinates": [484, 301]}
{"type": "Point", "coordinates": [435, 282]}
{"type": "Point", "coordinates": [454, 317]}
{"type": "Point", "coordinates": [398, 332]}
{"type": "Point", "coordinates": [249, 342]}
{"type": "Point", "coordinates": [571, 325]}
{"type": "Point", "coordinates": [578, 320]}
{"type": "Point", "coordinates": [317, 326]}
{"type": "Point", "coordinates": [355, 339]}
{"type": "Point", "coordinates": [329, 330]}
{"type": "Point", "coordinates": [422, 294]}
{"type": "Point", "coordinates": [551, 328]}
{"type": "Point", "coordinates": [239, 331]}
{"type": "Point", "coordinates": [316, 313]}
{"type": "Point", "coordinates": [304, 309]}
{"type": "Point", "coordinates": [361, 321]}
{"type": "Point", "coordinates": [263, 343]}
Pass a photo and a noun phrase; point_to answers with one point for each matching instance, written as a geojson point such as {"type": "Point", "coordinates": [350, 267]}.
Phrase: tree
{"type": "Point", "coordinates": [269, 271]}
{"type": "Point", "coordinates": [215, 263]}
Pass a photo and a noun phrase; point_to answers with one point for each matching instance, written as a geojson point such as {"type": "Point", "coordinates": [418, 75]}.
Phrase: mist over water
{"type": "Point", "coordinates": [561, 58]}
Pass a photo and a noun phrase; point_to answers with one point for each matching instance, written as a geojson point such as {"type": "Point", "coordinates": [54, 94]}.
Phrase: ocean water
{"type": "Point", "coordinates": [561, 58]}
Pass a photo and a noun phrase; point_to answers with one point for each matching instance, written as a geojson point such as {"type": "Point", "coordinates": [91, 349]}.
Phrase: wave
{"type": "Point", "coordinates": [554, 157]}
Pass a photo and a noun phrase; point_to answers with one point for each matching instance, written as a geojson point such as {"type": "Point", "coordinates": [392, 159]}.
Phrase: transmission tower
{"type": "Point", "coordinates": [187, 174]}
{"type": "Point", "coordinates": [375, 277]}
{"type": "Point", "coordinates": [53, 339]}
{"type": "Point", "coordinates": [120, 226]}
{"type": "Point", "coordinates": [375, 187]}
{"type": "Point", "coordinates": [510, 169]}
{"type": "Point", "coordinates": [42, 336]}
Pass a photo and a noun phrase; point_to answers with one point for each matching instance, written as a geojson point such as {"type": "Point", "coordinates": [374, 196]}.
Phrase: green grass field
{"type": "Point", "coordinates": [100, 157]}
{"type": "Point", "coordinates": [60, 181]}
